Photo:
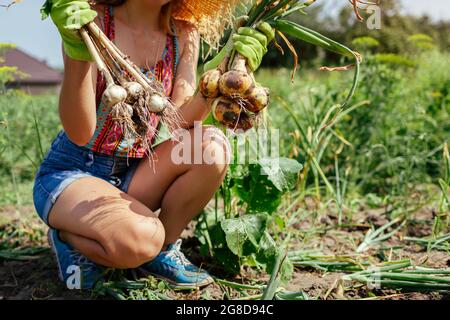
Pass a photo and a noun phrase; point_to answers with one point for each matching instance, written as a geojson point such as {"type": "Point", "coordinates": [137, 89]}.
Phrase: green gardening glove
{"type": "Point", "coordinates": [252, 43]}
{"type": "Point", "coordinates": [69, 16]}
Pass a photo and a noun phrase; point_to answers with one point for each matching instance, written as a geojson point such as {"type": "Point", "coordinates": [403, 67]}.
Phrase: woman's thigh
{"type": "Point", "coordinates": [154, 177]}
{"type": "Point", "coordinates": [94, 209]}
{"type": "Point", "coordinates": [173, 159]}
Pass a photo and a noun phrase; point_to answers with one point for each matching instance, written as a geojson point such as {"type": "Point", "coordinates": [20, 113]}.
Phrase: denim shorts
{"type": "Point", "coordinates": [66, 163]}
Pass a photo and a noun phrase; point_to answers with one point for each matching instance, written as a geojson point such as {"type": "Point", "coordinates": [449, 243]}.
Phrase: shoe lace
{"type": "Point", "coordinates": [178, 256]}
{"type": "Point", "coordinates": [82, 262]}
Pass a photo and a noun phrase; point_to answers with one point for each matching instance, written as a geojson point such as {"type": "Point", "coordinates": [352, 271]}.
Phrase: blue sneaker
{"type": "Point", "coordinates": [171, 265]}
{"type": "Point", "coordinates": [75, 270]}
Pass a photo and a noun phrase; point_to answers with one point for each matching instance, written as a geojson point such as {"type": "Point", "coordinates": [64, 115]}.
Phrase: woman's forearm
{"type": "Point", "coordinates": [77, 101]}
{"type": "Point", "coordinates": [193, 110]}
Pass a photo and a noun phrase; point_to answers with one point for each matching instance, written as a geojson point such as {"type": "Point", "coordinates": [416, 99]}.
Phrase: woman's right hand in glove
{"type": "Point", "coordinates": [69, 16]}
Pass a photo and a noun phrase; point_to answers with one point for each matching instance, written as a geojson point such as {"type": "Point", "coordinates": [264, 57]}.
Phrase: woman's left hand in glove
{"type": "Point", "coordinates": [252, 43]}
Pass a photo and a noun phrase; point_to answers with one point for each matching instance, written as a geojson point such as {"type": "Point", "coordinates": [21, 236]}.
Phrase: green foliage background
{"type": "Point", "coordinates": [396, 28]}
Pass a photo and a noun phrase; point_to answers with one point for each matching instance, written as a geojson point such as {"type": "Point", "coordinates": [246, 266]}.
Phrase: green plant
{"type": "Point", "coordinates": [421, 42]}
{"type": "Point", "coordinates": [28, 124]}
{"type": "Point", "coordinates": [442, 220]}
{"type": "Point", "coordinates": [394, 60]}
{"type": "Point", "coordinates": [365, 43]}
{"type": "Point", "coordinates": [7, 73]}
{"type": "Point", "coordinates": [236, 233]}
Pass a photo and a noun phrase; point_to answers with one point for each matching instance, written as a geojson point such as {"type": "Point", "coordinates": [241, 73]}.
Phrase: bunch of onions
{"type": "Point", "coordinates": [237, 99]}
{"type": "Point", "coordinates": [132, 96]}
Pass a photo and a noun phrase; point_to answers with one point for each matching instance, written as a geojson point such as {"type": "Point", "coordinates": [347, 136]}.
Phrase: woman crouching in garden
{"type": "Point", "coordinates": [98, 195]}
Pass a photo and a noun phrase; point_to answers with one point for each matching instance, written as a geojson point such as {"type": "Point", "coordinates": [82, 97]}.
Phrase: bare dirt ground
{"type": "Point", "coordinates": [35, 276]}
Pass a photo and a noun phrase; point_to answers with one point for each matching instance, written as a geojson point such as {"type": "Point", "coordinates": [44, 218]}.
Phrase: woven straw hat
{"type": "Point", "coordinates": [211, 17]}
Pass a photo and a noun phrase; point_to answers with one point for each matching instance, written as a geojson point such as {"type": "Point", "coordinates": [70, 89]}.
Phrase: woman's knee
{"type": "Point", "coordinates": [136, 242]}
{"type": "Point", "coordinates": [202, 145]}
{"type": "Point", "coordinates": [216, 149]}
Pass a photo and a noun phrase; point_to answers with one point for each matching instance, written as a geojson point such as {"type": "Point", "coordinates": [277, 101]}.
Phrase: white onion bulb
{"type": "Point", "coordinates": [114, 94]}
{"type": "Point", "coordinates": [157, 103]}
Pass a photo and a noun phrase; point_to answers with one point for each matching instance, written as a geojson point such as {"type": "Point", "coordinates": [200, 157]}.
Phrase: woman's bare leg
{"type": "Point", "coordinates": [119, 230]}
{"type": "Point", "coordinates": [106, 225]}
{"type": "Point", "coordinates": [181, 191]}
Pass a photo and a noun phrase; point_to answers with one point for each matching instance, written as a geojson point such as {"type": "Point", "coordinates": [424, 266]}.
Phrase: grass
{"type": "Point", "coordinates": [388, 143]}
{"type": "Point", "coordinates": [28, 125]}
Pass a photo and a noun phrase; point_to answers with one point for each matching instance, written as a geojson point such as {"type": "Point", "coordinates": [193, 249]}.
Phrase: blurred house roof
{"type": "Point", "coordinates": [38, 72]}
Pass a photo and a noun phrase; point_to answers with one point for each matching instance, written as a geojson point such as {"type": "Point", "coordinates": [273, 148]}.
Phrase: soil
{"type": "Point", "coordinates": [36, 277]}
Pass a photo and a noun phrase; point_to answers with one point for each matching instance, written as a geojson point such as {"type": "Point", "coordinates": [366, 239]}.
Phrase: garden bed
{"type": "Point", "coordinates": [32, 274]}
